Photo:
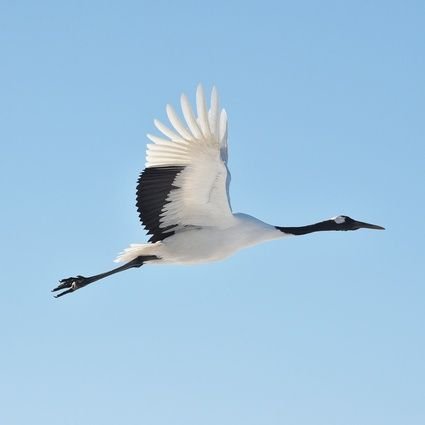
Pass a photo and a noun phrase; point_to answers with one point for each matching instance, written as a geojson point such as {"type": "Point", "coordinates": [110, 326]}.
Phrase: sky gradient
{"type": "Point", "coordinates": [326, 116]}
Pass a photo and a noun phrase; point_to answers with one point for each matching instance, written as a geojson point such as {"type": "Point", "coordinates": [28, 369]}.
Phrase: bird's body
{"type": "Point", "coordinates": [204, 244]}
{"type": "Point", "coordinates": [183, 197]}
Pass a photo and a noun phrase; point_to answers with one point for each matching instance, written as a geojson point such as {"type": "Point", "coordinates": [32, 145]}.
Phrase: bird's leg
{"type": "Point", "coordinates": [71, 284]}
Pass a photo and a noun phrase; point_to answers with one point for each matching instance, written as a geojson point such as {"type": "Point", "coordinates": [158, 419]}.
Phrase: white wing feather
{"type": "Point", "coordinates": [201, 107]}
{"type": "Point", "coordinates": [201, 147]}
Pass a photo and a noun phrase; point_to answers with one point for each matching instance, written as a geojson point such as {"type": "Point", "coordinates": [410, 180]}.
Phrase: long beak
{"type": "Point", "coordinates": [361, 225]}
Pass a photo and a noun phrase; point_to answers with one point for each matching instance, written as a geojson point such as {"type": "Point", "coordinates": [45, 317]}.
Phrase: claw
{"type": "Point", "coordinates": [71, 284]}
{"type": "Point", "coordinates": [64, 283]}
{"type": "Point", "coordinates": [68, 291]}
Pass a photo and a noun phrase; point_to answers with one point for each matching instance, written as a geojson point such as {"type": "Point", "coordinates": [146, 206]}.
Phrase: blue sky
{"type": "Point", "coordinates": [326, 105]}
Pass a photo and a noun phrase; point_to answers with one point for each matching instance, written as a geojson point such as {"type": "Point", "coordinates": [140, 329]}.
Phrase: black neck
{"type": "Point", "coordinates": [323, 226]}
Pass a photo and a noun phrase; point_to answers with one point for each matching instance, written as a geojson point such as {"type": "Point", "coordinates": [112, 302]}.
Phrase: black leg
{"type": "Point", "coordinates": [71, 284]}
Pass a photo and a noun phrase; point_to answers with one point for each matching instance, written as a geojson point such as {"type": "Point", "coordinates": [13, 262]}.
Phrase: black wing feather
{"type": "Point", "coordinates": [153, 187]}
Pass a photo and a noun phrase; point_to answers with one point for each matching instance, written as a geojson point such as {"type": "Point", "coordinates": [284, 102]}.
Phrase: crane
{"type": "Point", "coordinates": [183, 198]}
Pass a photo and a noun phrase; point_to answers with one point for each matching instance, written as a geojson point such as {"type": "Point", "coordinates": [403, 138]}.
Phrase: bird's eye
{"type": "Point", "coordinates": [340, 219]}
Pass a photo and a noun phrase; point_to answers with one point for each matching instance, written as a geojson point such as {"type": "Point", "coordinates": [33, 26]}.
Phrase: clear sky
{"type": "Point", "coordinates": [326, 109]}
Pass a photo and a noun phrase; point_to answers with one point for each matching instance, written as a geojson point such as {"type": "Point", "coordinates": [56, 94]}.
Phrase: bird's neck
{"type": "Point", "coordinates": [322, 226]}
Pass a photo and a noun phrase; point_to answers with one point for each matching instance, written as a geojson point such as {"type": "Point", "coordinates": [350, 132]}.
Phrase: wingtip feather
{"type": "Point", "coordinates": [189, 116]}
{"type": "Point", "coordinates": [166, 131]}
{"type": "Point", "coordinates": [213, 112]}
{"type": "Point", "coordinates": [223, 126]}
{"type": "Point", "coordinates": [201, 107]}
{"type": "Point", "coordinates": [177, 124]}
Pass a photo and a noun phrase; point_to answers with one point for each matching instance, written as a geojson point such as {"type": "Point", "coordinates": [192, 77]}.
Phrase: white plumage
{"type": "Point", "coordinates": [183, 198]}
{"type": "Point", "coordinates": [198, 207]}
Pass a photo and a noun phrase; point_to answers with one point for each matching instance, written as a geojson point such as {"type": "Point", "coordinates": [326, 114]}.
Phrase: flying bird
{"type": "Point", "coordinates": [183, 198]}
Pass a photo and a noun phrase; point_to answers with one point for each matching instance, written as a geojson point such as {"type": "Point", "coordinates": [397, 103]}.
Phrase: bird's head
{"type": "Point", "coordinates": [343, 222]}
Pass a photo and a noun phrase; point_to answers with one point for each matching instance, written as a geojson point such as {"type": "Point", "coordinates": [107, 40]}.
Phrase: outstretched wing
{"type": "Point", "coordinates": [186, 180]}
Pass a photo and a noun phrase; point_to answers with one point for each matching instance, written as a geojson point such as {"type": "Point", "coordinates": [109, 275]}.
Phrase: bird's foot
{"type": "Point", "coordinates": [71, 284]}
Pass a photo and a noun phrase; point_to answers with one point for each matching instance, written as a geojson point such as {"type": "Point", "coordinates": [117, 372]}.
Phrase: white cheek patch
{"type": "Point", "coordinates": [339, 219]}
